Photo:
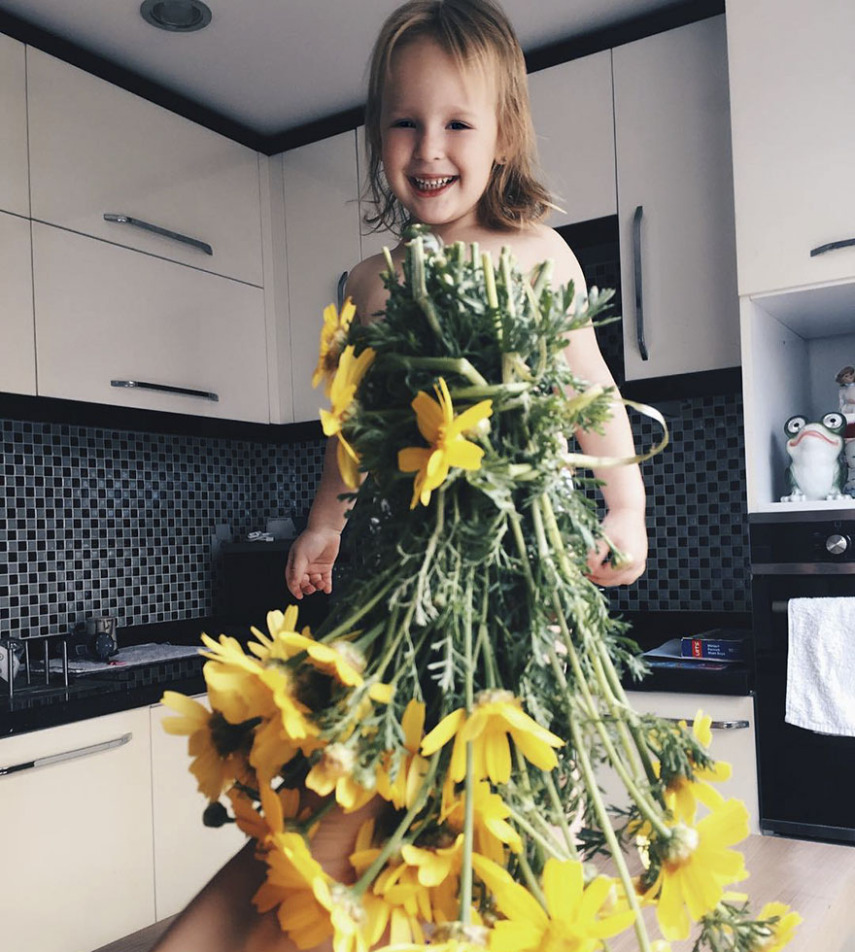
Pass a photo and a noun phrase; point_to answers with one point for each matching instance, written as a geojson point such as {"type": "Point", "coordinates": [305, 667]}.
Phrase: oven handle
{"type": "Point", "coordinates": [803, 568]}
{"type": "Point", "coordinates": [737, 725]}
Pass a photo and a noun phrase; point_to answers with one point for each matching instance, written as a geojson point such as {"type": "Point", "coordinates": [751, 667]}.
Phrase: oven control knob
{"type": "Point", "coordinates": [836, 544]}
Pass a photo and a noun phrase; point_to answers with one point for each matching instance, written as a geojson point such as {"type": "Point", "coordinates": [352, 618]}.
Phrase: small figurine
{"type": "Point", "coordinates": [816, 470]}
{"type": "Point", "coordinates": [849, 458]}
{"type": "Point", "coordinates": [846, 381]}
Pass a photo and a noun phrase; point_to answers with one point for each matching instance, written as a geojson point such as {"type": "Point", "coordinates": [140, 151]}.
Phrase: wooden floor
{"type": "Point", "coordinates": [141, 941]}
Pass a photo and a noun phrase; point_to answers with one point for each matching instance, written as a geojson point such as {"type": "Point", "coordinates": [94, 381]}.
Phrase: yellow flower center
{"type": "Point", "coordinates": [338, 760]}
{"type": "Point", "coordinates": [494, 697]}
{"type": "Point", "coordinates": [683, 843]}
{"type": "Point", "coordinates": [350, 654]}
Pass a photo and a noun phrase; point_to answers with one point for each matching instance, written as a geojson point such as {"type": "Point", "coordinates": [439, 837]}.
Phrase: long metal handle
{"type": "Point", "coordinates": [639, 296]}
{"type": "Point", "coordinates": [75, 754]}
{"type": "Point", "coordinates": [832, 246]}
{"type": "Point", "coordinates": [339, 292]}
{"type": "Point", "coordinates": [157, 230]}
{"type": "Point", "coordinates": [738, 725]}
{"type": "Point", "coordinates": [803, 568]}
{"type": "Point", "coordinates": [165, 388]}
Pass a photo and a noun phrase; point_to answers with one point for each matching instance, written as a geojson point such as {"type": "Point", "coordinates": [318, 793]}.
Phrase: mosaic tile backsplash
{"type": "Point", "coordinates": [101, 521]}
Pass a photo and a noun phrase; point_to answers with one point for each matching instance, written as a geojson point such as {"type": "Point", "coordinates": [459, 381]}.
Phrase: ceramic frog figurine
{"type": "Point", "coordinates": [816, 470]}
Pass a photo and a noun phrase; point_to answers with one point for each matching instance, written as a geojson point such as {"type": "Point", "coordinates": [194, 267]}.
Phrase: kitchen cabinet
{"type": "Point", "coordinates": [77, 859]}
{"type": "Point", "coordinates": [97, 149]}
{"type": "Point", "coordinates": [733, 732]}
{"type": "Point", "coordinates": [107, 316]}
{"type": "Point", "coordinates": [370, 242]}
{"type": "Point", "coordinates": [186, 853]}
{"type": "Point", "coordinates": [17, 353]}
{"type": "Point", "coordinates": [792, 82]}
{"type": "Point", "coordinates": [14, 173]}
{"type": "Point", "coordinates": [675, 202]}
{"type": "Point", "coordinates": [322, 243]}
{"type": "Point", "coordinates": [571, 106]}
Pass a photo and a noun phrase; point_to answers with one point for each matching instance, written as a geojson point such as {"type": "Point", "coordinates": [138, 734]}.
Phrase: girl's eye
{"type": "Point", "coordinates": [403, 124]}
{"type": "Point", "coordinates": [456, 125]}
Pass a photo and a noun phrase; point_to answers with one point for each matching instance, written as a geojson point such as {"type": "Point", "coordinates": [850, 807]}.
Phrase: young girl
{"type": "Point", "coordinates": [451, 146]}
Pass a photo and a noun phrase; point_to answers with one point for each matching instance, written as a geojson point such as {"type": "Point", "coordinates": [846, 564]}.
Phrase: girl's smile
{"type": "Point", "coordinates": [439, 134]}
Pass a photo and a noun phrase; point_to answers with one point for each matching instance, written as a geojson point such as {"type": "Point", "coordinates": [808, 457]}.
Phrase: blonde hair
{"type": "Point", "coordinates": [474, 33]}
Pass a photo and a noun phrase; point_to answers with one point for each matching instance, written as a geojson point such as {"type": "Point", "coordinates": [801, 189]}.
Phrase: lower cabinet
{"type": "Point", "coordinates": [120, 327]}
{"type": "Point", "coordinates": [186, 853]}
{"type": "Point", "coordinates": [76, 862]}
{"type": "Point", "coordinates": [733, 741]}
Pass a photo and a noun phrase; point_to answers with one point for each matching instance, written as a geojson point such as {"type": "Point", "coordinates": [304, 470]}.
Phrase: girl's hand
{"type": "Point", "coordinates": [626, 530]}
{"type": "Point", "coordinates": [310, 562]}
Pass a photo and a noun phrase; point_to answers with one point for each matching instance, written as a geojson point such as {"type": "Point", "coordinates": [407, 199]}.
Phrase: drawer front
{"type": "Point", "coordinates": [96, 149]}
{"type": "Point", "coordinates": [14, 175]}
{"type": "Point", "coordinates": [17, 352]}
{"type": "Point", "coordinates": [104, 314]}
{"type": "Point", "coordinates": [77, 859]}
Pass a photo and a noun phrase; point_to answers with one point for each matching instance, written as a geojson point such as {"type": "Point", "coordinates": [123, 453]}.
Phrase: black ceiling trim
{"type": "Point", "coordinates": [677, 14]}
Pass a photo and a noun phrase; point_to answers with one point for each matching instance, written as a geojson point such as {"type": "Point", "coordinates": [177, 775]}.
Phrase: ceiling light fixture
{"type": "Point", "coordinates": [177, 16]}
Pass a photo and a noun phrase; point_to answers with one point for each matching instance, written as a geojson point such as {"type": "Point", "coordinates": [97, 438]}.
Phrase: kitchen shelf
{"type": "Point", "coordinates": [793, 345]}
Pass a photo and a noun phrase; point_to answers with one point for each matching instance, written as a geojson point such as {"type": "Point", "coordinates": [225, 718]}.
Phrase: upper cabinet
{"type": "Point", "coordinates": [322, 243]}
{"type": "Point", "coordinates": [167, 186]}
{"type": "Point", "coordinates": [675, 202]}
{"type": "Point", "coordinates": [571, 107]}
{"type": "Point", "coordinates": [792, 80]}
{"type": "Point", "coordinates": [17, 353]}
{"type": "Point", "coordinates": [14, 177]}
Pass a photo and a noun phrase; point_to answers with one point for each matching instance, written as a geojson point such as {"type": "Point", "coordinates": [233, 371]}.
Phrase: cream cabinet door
{"type": "Point", "coordinates": [96, 149]}
{"type": "Point", "coordinates": [77, 861]}
{"type": "Point", "coordinates": [17, 352]}
{"type": "Point", "coordinates": [322, 237]}
{"type": "Point", "coordinates": [186, 853]}
{"type": "Point", "coordinates": [675, 202]}
{"type": "Point", "coordinates": [194, 342]}
{"type": "Point", "coordinates": [792, 83]}
{"type": "Point", "coordinates": [571, 106]}
{"type": "Point", "coordinates": [14, 173]}
{"type": "Point", "coordinates": [733, 732]}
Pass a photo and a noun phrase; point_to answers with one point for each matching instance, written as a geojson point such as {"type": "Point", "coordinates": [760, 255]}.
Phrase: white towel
{"type": "Point", "coordinates": [821, 665]}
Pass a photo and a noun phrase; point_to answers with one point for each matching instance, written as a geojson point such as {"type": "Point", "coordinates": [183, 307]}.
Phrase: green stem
{"type": "Point", "coordinates": [531, 881]}
{"type": "Point", "coordinates": [558, 808]}
{"type": "Point", "coordinates": [451, 365]}
{"type": "Point", "coordinates": [547, 845]}
{"type": "Point", "coordinates": [465, 914]}
{"type": "Point", "coordinates": [609, 833]}
{"type": "Point", "coordinates": [349, 622]}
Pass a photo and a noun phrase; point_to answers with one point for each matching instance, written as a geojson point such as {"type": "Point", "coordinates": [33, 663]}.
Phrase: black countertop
{"type": "Point", "coordinates": [96, 696]}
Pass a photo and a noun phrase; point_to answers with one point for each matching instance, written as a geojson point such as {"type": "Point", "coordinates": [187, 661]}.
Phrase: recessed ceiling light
{"type": "Point", "coordinates": [177, 16]}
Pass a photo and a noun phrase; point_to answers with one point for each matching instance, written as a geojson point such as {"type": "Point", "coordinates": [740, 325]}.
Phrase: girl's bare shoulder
{"type": "Point", "coordinates": [365, 287]}
{"type": "Point", "coordinates": [536, 243]}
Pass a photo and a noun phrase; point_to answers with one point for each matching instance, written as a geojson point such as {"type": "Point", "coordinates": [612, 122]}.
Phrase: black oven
{"type": "Point", "coordinates": [806, 779]}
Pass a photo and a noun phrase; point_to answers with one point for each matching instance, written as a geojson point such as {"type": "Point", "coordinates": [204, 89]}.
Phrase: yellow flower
{"type": "Point", "coordinates": [334, 771]}
{"type": "Point", "coordinates": [214, 745]}
{"type": "Point", "coordinates": [683, 794]}
{"type": "Point", "coordinates": [780, 932]}
{"type": "Point", "coordinates": [333, 335]}
{"type": "Point", "coordinates": [402, 791]}
{"type": "Point", "coordinates": [259, 824]}
{"type": "Point", "coordinates": [434, 865]}
{"type": "Point", "coordinates": [347, 379]}
{"type": "Point", "coordinates": [444, 432]}
{"type": "Point", "coordinates": [236, 683]}
{"type": "Point", "coordinates": [572, 921]}
{"type": "Point", "coordinates": [697, 867]}
{"type": "Point", "coordinates": [299, 887]}
{"type": "Point", "coordinates": [492, 830]}
{"type": "Point", "coordinates": [496, 715]}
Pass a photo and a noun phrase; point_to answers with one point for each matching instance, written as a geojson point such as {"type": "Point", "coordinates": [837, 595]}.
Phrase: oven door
{"type": "Point", "coordinates": [805, 779]}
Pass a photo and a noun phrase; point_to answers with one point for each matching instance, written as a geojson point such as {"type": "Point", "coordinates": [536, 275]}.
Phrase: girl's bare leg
{"type": "Point", "coordinates": [222, 917]}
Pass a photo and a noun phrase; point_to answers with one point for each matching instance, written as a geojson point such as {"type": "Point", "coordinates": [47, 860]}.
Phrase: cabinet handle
{"type": "Point", "coordinates": [165, 232]}
{"type": "Point", "coordinates": [639, 297]}
{"type": "Point", "coordinates": [75, 754]}
{"type": "Point", "coordinates": [339, 292]}
{"type": "Point", "coordinates": [832, 246]}
{"type": "Point", "coordinates": [739, 725]}
{"type": "Point", "coordinates": [164, 388]}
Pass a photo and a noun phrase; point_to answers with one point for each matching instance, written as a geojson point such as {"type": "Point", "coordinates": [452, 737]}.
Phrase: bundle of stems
{"type": "Point", "coordinates": [469, 679]}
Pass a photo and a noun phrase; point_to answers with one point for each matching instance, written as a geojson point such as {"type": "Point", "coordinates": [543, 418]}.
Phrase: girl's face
{"type": "Point", "coordinates": [439, 134]}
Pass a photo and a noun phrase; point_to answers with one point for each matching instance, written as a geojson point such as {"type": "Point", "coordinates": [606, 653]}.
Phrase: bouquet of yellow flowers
{"type": "Point", "coordinates": [469, 675]}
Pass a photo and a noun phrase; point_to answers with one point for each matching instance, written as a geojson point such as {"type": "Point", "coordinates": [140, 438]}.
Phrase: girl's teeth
{"type": "Point", "coordinates": [429, 184]}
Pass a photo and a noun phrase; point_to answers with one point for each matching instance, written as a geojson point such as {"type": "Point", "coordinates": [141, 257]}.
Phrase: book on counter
{"type": "Point", "coordinates": [708, 649]}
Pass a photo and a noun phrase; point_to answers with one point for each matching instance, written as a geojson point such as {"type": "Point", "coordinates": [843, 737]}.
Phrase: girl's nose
{"type": "Point", "coordinates": [429, 145]}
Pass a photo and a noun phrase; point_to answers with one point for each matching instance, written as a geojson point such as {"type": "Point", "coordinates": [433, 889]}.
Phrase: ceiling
{"type": "Point", "coordinates": [275, 65]}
